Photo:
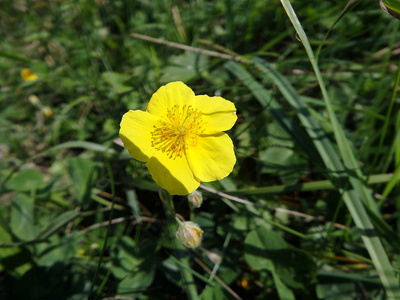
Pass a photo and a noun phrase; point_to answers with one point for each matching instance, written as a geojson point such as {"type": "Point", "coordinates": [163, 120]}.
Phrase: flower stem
{"type": "Point", "coordinates": [181, 253]}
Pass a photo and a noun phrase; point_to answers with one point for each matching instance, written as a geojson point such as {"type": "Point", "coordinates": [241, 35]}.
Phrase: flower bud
{"type": "Point", "coordinates": [195, 198]}
{"type": "Point", "coordinates": [189, 234]}
{"type": "Point", "coordinates": [215, 256]}
{"type": "Point", "coordinates": [34, 100]}
{"type": "Point", "coordinates": [48, 112]}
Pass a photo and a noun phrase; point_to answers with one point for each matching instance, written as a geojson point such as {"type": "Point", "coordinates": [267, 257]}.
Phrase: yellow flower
{"type": "Point", "coordinates": [28, 75]}
{"type": "Point", "coordinates": [180, 137]}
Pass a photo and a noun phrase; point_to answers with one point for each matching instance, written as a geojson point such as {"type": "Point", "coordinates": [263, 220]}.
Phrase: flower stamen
{"type": "Point", "coordinates": [178, 131]}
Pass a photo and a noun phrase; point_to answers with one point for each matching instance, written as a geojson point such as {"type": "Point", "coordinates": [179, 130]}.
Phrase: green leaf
{"type": "Point", "coordinates": [58, 250]}
{"type": "Point", "coordinates": [22, 218]}
{"type": "Point", "coordinates": [285, 162]}
{"type": "Point", "coordinates": [184, 67]}
{"type": "Point", "coordinates": [14, 260]}
{"type": "Point", "coordinates": [212, 293]}
{"type": "Point", "coordinates": [26, 181]}
{"type": "Point", "coordinates": [133, 265]}
{"type": "Point", "coordinates": [81, 170]}
{"type": "Point", "coordinates": [256, 245]}
{"type": "Point", "coordinates": [296, 268]}
{"type": "Point", "coordinates": [283, 291]}
{"type": "Point", "coordinates": [266, 249]}
{"type": "Point", "coordinates": [57, 224]}
{"type": "Point", "coordinates": [117, 82]}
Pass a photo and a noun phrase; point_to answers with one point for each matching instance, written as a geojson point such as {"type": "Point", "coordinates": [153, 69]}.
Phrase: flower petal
{"type": "Point", "coordinates": [169, 95]}
{"type": "Point", "coordinates": [174, 175]}
{"type": "Point", "coordinates": [135, 133]}
{"type": "Point", "coordinates": [218, 114]}
{"type": "Point", "coordinates": [212, 158]}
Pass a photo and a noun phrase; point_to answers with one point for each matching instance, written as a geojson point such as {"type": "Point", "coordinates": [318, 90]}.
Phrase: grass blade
{"type": "Point", "coordinates": [351, 197]}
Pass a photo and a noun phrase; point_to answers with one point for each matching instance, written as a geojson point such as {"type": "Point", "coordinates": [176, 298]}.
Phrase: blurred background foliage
{"type": "Point", "coordinates": [60, 170]}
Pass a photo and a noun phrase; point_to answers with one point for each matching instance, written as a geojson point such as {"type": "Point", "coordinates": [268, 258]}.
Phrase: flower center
{"type": "Point", "coordinates": [178, 131]}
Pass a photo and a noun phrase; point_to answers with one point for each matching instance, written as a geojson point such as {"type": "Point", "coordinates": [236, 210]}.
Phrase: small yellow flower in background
{"type": "Point", "coordinates": [245, 283]}
{"type": "Point", "coordinates": [35, 101]}
{"type": "Point", "coordinates": [189, 234]}
{"type": "Point", "coordinates": [180, 137]}
{"type": "Point", "coordinates": [28, 75]}
{"type": "Point", "coordinates": [48, 112]}
{"type": "Point", "coordinates": [195, 198]}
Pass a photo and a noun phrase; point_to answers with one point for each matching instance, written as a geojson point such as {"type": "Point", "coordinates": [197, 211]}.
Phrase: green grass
{"type": "Point", "coordinates": [310, 209]}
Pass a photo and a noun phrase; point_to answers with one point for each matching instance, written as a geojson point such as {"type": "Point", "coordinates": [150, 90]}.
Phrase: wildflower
{"type": "Point", "coordinates": [34, 100]}
{"type": "Point", "coordinates": [28, 75]}
{"type": "Point", "coordinates": [48, 112]}
{"type": "Point", "coordinates": [189, 234]}
{"type": "Point", "coordinates": [195, 198]}
{"type": "Point", "coordinates": [245, 282]}
{"type": "Point", "coordinates": [215, 256]}
{"type": "Point", "coordinates": [180, 137]}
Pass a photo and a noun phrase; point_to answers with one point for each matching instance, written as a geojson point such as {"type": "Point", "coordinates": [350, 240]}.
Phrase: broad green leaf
{"type": "Point", "coordinates": [286, 163]}
{"type": "Point", "coordinates": [283, 291]}
{"type": "Point", "coordinates": [133, 264]}
{"type": "Point", "coordinates": [81, 170]}
{"type": "Point", "coordinates": [125, 257]}
{"type": "Point", "coordinates": [228, 271]}
{"type": "Point", "coordinates": [117, 82]}
{"type": "Point", "coordinates": [57, 224]}
{"type": "Point", "coordinates": [256, 245]}
{"type": "Point", "coordinates": [26, 181]}
{"type": "Point", "coordinates": [58, 250]}
{"type": "Point", "coordinates": [266, 249]}
{"type": "Point", "coordinates": [136, 282]}
{"type": "Point", "coordinates": [212, 293]}
{"type": "Point", "coordinates": [22, 218]}
{"type": "Point", "coordinates": [243, 222]}
{"type": "Point", "coordinates": [54, 226]}
{"type": "Point", "coordinates": [184, 67]}
{"type": "Point", "coordinates": [296, 268]}
{"type": "Point", "coordinates": [14, 260]}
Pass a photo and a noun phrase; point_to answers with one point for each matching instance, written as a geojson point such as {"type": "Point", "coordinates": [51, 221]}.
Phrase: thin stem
{"type": "Point", "coordinates": [181, 253]}
{"type": "Point", "coordinates": [187, 48]}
